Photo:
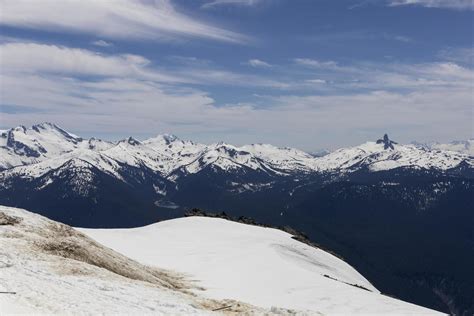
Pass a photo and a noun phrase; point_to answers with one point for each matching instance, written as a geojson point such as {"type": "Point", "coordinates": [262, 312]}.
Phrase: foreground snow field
{"type": "Point", "coordinates": [261, 266]}
{"type": "Point", "coordinates": [50, 268]}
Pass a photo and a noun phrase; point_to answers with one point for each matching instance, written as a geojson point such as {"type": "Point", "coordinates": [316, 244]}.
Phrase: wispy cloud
{"type": "Point", "coordinates": [447, 4]}
{"type": "Point", "coordinates": [222, 77]}
{"type": "Point", "coordinates": [413, 115]}
{"type": "Point", "coordinates": [458, 54]}
{"type": "Point", "coordinates": [67, 82]}
{"type": "Point", "coordinates": [102, 43]}
{"type": "Point", "coordinates": [316, 81]}
{"type": "Point", "coordinates": [399, 38]}
{"type": "Point", "coordinates": [257, 63]}
{"type": "Point", "coordinates": [189, 61]}
{"type": "Point", "coordinates": [316, 63]}
{"type": "Point", "coordinates": [120, 19]}
{"type": "Point", "coordinates": [328, 65]}
{"type": "Point", "coordinates": [360, 4]}
{"type": "Point", "coordinates": [24, 58]}
{"type": "Point", "coordinates": [34, 58]}
{"type": "Point", "coordinates": [359, 35]}
{"type": "Point", "coordinates": [216, 3]}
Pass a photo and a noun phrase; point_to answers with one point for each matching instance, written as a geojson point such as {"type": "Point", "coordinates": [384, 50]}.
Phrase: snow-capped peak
{"type": "Point", "coordinates": [21, 145]}
{"type": "Point", "coordinates": [53, 128]}
{"type": "Point", "coordinates": [130, 141]}
{"type": "Point", "coordinates": [162, 139]}
{"type": "Point", "coordinates": [98, 144]}
{"type": "Point", "coordinates": [385, 156]}
{"type": "Point", "coordinates": [461, 146]}
{"type": "Point", "coordinates": [169, 138]}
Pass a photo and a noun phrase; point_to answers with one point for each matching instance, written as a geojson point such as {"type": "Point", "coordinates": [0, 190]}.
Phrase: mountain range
{"type": "Point", "coordinates": [386, 208]}
{"type": "Point", "coordinates": [47, 146]}
{"type": "Point", "coordinates": [462, 146]}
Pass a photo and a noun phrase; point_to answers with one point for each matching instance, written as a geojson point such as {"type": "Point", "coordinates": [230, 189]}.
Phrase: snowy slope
{"type": "Point", "coordinates": [227, 158]}
{"type": "Point", "coordinates": [261, 266]}
{"type": "Point", "coordinates": [463, 146]}
{"type": "Point", "coordinates": [50, 145]}
{"type": "Point", "coordinates": [376, 158]}
{"type": "Point", "coordinates": [288, 159]}
{"type": "Point", "coordinates": [132, 152]}
{"type": "Point", "coordinates": [50, 268]}
{"type": "Point", "coordinates": [21, 145]}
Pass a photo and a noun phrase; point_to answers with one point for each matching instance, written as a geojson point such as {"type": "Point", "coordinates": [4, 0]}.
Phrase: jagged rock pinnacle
{"type": "Point", "coordinates": [387, 142]}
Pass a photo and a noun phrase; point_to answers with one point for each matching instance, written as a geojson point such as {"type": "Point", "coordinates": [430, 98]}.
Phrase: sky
{"type": "Point", "coordinates": [309, 74]}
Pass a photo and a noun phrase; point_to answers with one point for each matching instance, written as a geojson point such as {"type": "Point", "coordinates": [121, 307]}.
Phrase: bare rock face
{"type": "Point", "coordinates": [46, 237]}
{"type": "Point", "coordinates": [387, 143]}
{"type": "Point", "coordinates": [9, 220]}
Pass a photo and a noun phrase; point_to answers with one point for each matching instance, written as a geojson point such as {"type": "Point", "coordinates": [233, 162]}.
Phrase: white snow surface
{"type": "Point", "coordinates": [377, 158]}
{"type": "Point", "coordinates": [171, 157]}
{"type": "Point", "coordinates": [462, 146]}
{"type": "Point", "coordinates": [261, 266]}
{"type": "Point", "coordinates": [50, 268]}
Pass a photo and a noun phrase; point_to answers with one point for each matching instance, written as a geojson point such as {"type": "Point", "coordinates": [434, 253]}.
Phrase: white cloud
{"type": "Point", "coordinates": [52, 59]}
{"type": "Point", "coordinates": [127, 107]}
{"type": "Point", "coordinates": [102, 43]}
{"type": "Point", "coordinates": [258, 63]}
{"type": "Point", "coordinates": [316, 63]}
{"type": "Point", "coordinates": [209, 76]}
{"type": "Point", "coordinates": [399, 38]}
{"type": "Point", "coordinates": [111, 92]}
{"type": "Point", "coordinates": [116, 19]}
{"type": "Point", "coordinates": [358, 35]}
{"type": "Point", "coordinates": [75, 86]}
{"type": "Point", "coordinates": [327, 65]}
{"type": "Point", "coordinates": [44, 59]}
{"type": "Point", "coordinates": [122, 94]}
{"type": "Point", "coordinates": [425, 113]}
{"type": "Point", "coordinates": [448, 4]}
{"type": "Point", "coordinates": [215, 3]}
{"type": "Point", "coordinates": [459, 54]}
{"type": "Point", "coordinates": [316, 81]}
{"type": "Point", "coordinates": [424, 76]}
{"type": "Point", "coordinates": [376, 76]}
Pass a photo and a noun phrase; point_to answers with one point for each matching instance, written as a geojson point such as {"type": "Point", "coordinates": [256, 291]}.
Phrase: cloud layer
{"type": "Point", "coordinates": [257, 63]}
{"type": "Point", "coordinates": [217, 3]}
{"type": "Point", "coordinates": [123, 93]}
{"type": "Point", "coordinates": [448, 4]}
{"type": "Point", "coordinates": [118, 19]}
{"type": "Point", "coordinates": [308, 98]}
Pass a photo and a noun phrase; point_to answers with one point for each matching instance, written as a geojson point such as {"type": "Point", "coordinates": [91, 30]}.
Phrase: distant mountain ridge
{"type": "Point", "coordinates": [46, 146]}
{"type": "Point", "coordinates": [461, 146]}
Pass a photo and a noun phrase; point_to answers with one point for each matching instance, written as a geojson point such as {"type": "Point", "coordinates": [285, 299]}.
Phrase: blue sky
{"type": "Point", "coordinates": [303, 73]}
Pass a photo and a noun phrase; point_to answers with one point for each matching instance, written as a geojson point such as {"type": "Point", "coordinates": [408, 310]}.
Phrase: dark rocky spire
{"type": "Point", "coordinates": [387, 142]}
